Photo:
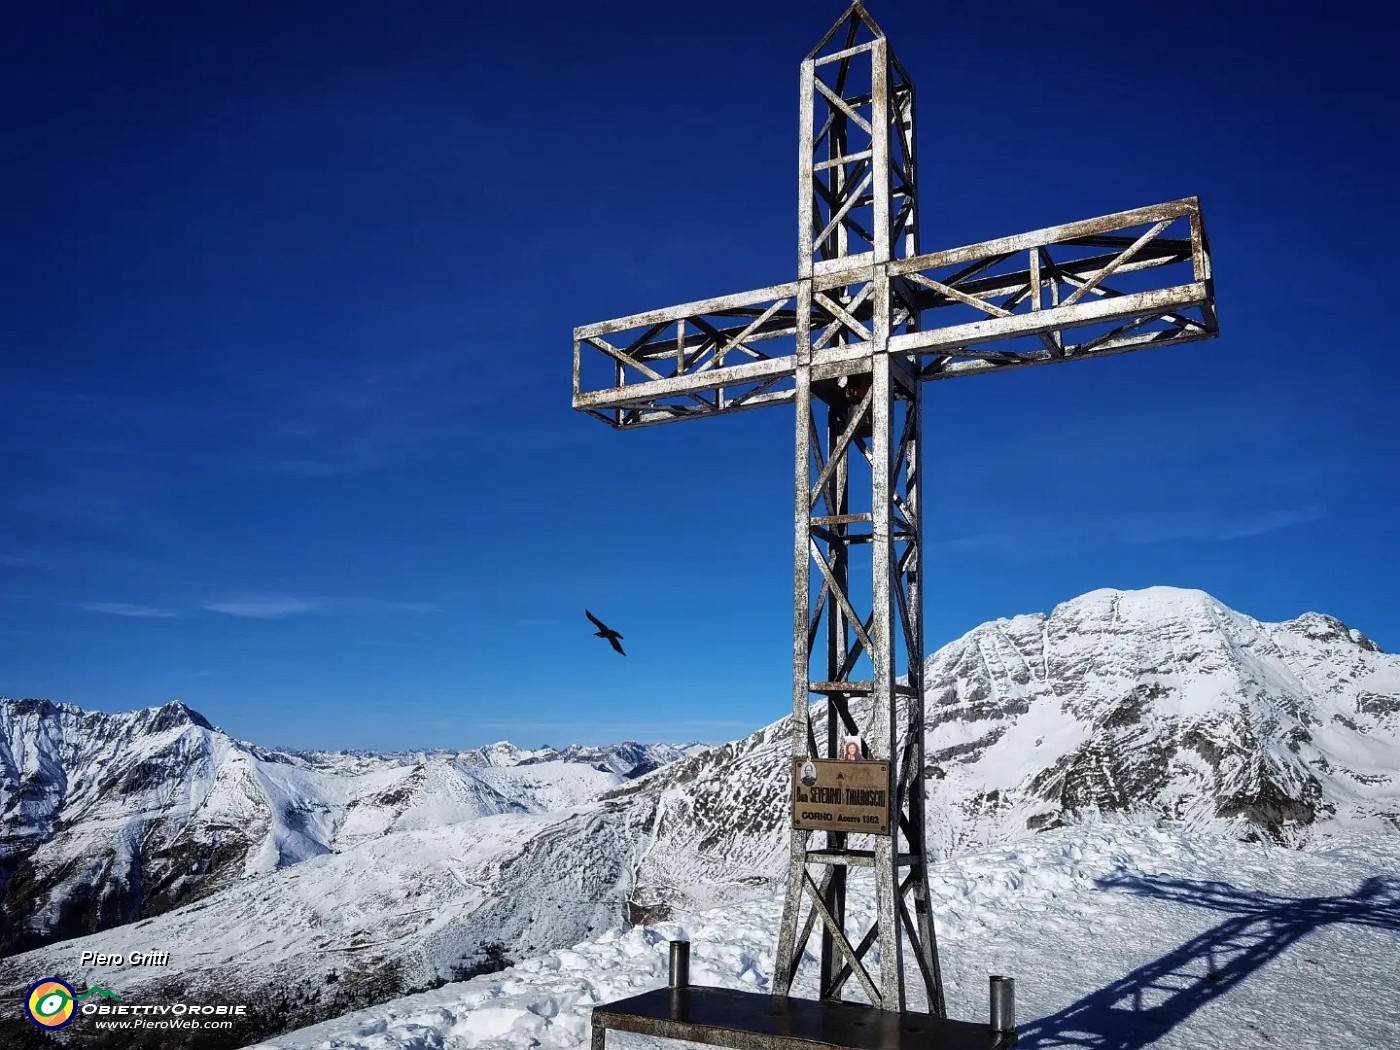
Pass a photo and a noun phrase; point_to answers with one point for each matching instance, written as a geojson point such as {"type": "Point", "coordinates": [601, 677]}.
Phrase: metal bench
{"type": "Point", "coordinates": [741, 1020]}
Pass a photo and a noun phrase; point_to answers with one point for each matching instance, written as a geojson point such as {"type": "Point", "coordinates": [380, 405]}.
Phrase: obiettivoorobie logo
{"type": "Point", "coordinates": [50, 1002]}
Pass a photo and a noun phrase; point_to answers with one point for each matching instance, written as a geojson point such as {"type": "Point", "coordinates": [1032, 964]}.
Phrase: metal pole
{"type": "Point", "coordinates": [1003, 1004]}
{"type": "Point", "coordinates": [680, 964]}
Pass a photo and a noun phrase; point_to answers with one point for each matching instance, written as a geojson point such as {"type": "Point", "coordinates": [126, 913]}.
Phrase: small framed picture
{"type": "Point", "coordinates": [852, 749]}
{"type": "Point", "coordinates": [809, 773]}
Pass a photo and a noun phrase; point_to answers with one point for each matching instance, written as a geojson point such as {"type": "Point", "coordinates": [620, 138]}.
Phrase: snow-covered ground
{"type": "Point", "coordinates": [1119, 937]}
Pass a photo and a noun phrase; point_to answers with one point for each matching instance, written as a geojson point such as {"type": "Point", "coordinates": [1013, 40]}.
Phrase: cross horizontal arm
{"type": "Point", "coordinates": [1104, 286]}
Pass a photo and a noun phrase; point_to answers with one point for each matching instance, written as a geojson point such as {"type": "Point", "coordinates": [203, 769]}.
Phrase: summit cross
{"type": "Point", "coordinates": [849, 345]}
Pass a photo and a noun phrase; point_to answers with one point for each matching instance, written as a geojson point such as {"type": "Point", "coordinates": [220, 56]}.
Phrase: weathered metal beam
{"type": "Point", "coordinates": [766, 313]}
{"type": "Point", "coordinates": [1049, 235]}
{"type": "Point", "coordinates": [699, 308]}
{"type": "Point", "coordinates": [855, 858]}
{"type": "Point", "coordinates": [1033, 275]}
{"type": "Point", "coordinates": [954, 342]}
{"type": "Point", "coordinates": [855, 687]}
{"type": "Point", "coordinates": [655, 389]}
{"type": "Point", "coordinates": [649, 415]}
{"type": "Point", "coordinates": [1059, 318]}
{"type": "Point", "coordinates": [960, 369]}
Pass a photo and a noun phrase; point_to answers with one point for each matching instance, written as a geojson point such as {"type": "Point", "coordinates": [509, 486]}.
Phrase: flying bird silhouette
{"type": "Point", "coordinates": [604, 631]}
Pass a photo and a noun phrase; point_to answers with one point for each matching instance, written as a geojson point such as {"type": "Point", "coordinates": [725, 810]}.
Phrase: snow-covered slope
{"type": "Point", "coordinates": [1180, 940]}
{"type": "Point", "coordinates": [105, 819]}
{"type": "Point", "coordinates": [395, 912]}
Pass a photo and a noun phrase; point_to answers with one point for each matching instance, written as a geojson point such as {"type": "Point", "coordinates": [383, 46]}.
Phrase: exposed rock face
{"type": "Point", "coordinates": [106, 819]}
{"type": "Point", "coordinates": [1165, 702]}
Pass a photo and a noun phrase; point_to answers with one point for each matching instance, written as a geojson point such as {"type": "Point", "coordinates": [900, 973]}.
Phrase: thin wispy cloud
{"type": "Point", "coordinates": [370, 416]}
{"type": "Point", "coordinates": [16, 554]}
{"type": "Point", "coordinates": [1205, 525]}
{"type": "Point", "coordinates": [532, 733]}
{"type": "Point", "coordinates": [277, 606]}
{"type": "Point", "coordinates": [260, 608]}
{"type": "Point", "coordinates": [1271, 521]}
{"type": "Point", "coordinates": [1043, 538]}
{"type": "Point", "coordinates": [128, 609]}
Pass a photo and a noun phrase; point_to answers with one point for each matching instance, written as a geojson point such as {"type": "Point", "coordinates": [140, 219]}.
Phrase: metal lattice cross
{"type": "Point", "coordinates": [849, 344]}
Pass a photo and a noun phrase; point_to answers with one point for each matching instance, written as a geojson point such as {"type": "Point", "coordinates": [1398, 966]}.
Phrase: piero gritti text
{"type": "Point", "coordinates": [130, 959]}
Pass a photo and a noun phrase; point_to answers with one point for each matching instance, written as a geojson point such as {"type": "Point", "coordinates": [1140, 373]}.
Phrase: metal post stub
{"type": "Point", "coordinates": [1003, 1004]}
{"type": "Point", "coordinates": [680, 964]}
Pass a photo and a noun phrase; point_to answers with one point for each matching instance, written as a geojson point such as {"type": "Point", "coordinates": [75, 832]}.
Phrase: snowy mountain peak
{"type": "Point", "coordinates": [504, 753]}
{"type": "Point", "coordinates": [1329, 629]}
{"type": "Point", "coordinates": [1156, 604]}
{"type": "Point", "coordinates": [1147, 605]}
{"type": "Point", "coordinates": [169, 715]}
{"type": "Point", "coordinates": [30, 706]}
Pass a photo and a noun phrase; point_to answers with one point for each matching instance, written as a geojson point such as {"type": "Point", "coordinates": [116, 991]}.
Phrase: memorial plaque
{"type": "Point", "coordinates": [834, 795]}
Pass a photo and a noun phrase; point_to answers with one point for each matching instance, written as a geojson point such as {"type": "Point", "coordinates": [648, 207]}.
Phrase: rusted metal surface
{"type": "Point", "coordinates": [850, 344]}
{"type": "Point", "coordinates": [753, 1021]}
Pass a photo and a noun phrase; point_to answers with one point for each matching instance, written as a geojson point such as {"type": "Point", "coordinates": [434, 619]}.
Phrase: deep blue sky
{"type": "Point", "coordinates": [285, 316]}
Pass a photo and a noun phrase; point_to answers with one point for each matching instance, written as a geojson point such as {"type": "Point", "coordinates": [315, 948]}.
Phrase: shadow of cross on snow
{"type": "Point", "coordinates": [1142, 1006]}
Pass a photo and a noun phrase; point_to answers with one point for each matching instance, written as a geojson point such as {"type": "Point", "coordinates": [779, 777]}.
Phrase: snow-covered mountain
{"type": "Point", "coordinates": [106, 819]}
{"type": "Point", "coordinates": [628, 759]}
{"type": "Point", "coordinates": [1158, 707]}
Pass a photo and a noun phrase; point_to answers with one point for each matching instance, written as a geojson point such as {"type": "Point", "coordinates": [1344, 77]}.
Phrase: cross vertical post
{"type": "Point", "coordinates": [858, 210]}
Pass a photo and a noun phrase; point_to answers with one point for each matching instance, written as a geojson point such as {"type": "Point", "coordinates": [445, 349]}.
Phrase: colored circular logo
{"type": "Point", "coordinates": [50, 1003]}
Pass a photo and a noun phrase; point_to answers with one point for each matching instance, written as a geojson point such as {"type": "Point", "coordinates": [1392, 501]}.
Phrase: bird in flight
{"type": "Point", "coordinates": [604, 631]}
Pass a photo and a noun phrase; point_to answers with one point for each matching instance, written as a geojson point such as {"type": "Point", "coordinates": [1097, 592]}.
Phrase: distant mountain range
{"type": "Point", "coordinates": [352, 877]}
{"type": "Point", "coordinates": [106, 819]}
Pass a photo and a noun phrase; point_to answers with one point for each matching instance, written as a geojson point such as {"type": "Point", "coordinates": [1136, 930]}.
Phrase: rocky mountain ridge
{"type": "Point", "coordinates": [106, 819]}
{"type": "Point", "coordinates": [1160, 705]}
